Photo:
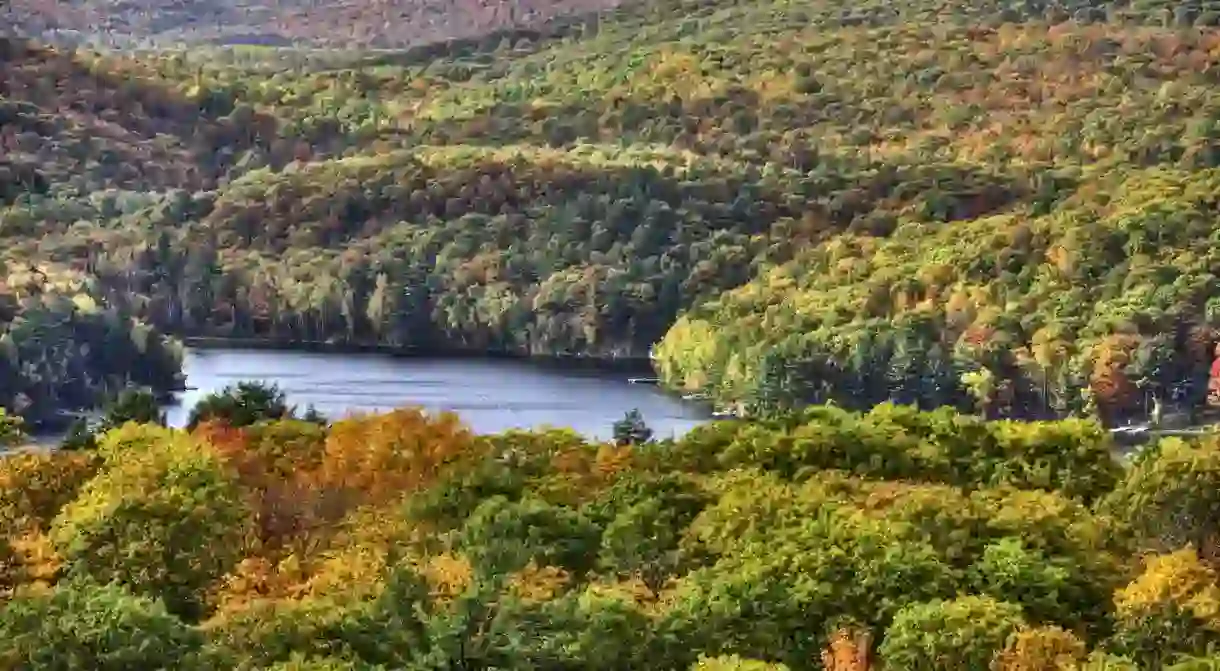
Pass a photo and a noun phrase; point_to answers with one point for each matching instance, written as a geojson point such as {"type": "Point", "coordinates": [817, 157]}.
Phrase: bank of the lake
{"type": "Point", "coordinates": [490, 394]}
{"type": "Point", "coordinates": [611, 361]}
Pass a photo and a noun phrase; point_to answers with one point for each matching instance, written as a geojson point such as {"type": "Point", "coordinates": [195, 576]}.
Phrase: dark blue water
{"type": "Point", "coordinates": [490, 395]}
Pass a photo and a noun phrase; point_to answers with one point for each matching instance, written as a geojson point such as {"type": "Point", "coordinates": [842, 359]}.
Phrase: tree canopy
{"type": "Point", "coordinates": [820, 540]}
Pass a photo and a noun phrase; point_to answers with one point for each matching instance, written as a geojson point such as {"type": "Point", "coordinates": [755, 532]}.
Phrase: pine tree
{"type": "Point", "coordinates": [631, 429]}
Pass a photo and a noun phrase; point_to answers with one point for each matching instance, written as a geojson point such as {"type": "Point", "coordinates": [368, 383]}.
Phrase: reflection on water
{"type": "Point", "coordinates": [490, 395]}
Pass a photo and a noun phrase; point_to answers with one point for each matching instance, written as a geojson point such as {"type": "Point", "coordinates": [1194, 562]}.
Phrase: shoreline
{"type": "Point", "coordinates": [55, 425]}
{"type": "Point", "coordinates": [596, 362]}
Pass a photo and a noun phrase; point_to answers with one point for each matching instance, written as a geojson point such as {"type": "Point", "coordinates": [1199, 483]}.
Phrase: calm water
{"type": "Point", "coordinates": [490, 395]}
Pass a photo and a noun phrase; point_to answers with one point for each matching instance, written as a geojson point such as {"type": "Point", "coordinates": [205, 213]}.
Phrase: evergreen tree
{"type": "Point", "coordinates": [133, 405]}
{"type": "Point", "coordinates": [631, 429]}
{"type": "Point", "coordinates": [241, 405]}
{"type": "Point", "coordinates": [79, 437]}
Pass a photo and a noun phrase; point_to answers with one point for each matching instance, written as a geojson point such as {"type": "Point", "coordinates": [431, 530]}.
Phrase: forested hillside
{"type": "Point", "coordinates": [1001, 207]}
{"type": "Point", "coordinates": [826, 540]}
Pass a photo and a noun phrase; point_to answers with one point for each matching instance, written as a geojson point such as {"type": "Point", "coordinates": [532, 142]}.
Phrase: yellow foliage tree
{"type": "Point", "coordinates": [31, 561]}
{"type": "Point", "coordinates": [847, 651]}
{"type": "Point", "coordinates": [34, 486]}
{"type": "Point", "coordinates": [1178, 578]}
{"type": "Point", "coordinates": [447, 574]}
{"type": "Point", "coordinates": [537, 584]}
{"type": "Point", "coordinates": [257, 579]}
{"type": "Point", "coordinates": [165, 517]}
{"type": "Point", "coordinates": [1171, 609]}
{"type": "Point", "coordinates": [1041, 649]}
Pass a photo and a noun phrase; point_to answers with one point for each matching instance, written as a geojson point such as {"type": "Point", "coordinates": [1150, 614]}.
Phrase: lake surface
{"type": "Point", "coordinates": [490, 395]}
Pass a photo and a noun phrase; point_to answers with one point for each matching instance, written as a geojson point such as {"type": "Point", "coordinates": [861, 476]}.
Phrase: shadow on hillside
{"type": "Point", "coordinates": [141, 133]}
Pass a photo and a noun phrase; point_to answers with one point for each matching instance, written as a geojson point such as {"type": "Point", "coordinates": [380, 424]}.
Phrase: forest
{"type": "Point", "coordinates": [1005, 208]}
{"type": "Point", "coordinates": [911, 236]}
{"type": "Point", "coordinates": [62, 351]}
{"type": "Point", "coordinates": [823, 539]}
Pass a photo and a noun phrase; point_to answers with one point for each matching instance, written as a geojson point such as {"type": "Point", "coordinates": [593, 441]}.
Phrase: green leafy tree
{"type": "Point", "coordinates": [313, 416]}
{"type": "Point", "coordinates": [734, 663]}
{"type": "Point", "coordinates": [1008, 571]}
{"type": "Point", "coordinates": [387, 629]}
{"type": "Point", "coordinates": [643, 541]}
{"type": "Point", "coordinates": [775, 389]}
{"type": "Point", "coordinates": [300, 662]}
{"type": "Point", "coordinates": [489, 628]}
{"type": "Point", "coordinates": [1171, 495]}
{"type": "Point", "coordinates": [961, 634]}
{"type": "Point", "coordinates": [1195, 664]}
{"type": "Point", "coordinates": [274, 631]}
{"type": "Point", "coordinates": [644, 517]}
{"type": "Point", "coordinates": [1155, 370]}
{"type": "Point", "coordinates": [132, 405]}
{"type": "Point", "coordinates": [451, 501]}
{"type": "Point", "coordinates": [503, 536]}
{"type": "Point", "coordinates": [806, 565]}
{"type": "Point", "coordinates": [80, 625]}
{"type": "Point", "coordinates": [79, 437]}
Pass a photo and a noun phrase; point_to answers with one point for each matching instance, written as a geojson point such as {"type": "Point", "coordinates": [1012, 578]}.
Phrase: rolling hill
{"type": "Point", "coordinates": [996, 206]}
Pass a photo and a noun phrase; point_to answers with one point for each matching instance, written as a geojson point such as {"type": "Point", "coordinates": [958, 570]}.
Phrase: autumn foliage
{"type": "Point", "coordinates": [1000, 207]}
{"type": "Point", "coordinates": [906, 239]}
{"type": "Point", "coordinates": [395, 538]}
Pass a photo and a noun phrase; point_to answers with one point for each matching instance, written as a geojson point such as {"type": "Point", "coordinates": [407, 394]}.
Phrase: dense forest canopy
{"type": "Point", "coordinates": [1002, 207]}
{"type": "Point", "coordinates": [824, 539]}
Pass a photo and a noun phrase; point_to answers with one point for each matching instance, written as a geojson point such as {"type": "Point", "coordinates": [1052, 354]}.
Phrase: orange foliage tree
{"type": "Point", "coordinates": [379, 458]}
{"type": "Point", "coordinates": [326, 501]}
{"type": "Point", "coordinates": [269, 459]}
{"type": "Point", "coordinates": [848, 651]}
{"type": "Point", "coordinates": [1109, 382]}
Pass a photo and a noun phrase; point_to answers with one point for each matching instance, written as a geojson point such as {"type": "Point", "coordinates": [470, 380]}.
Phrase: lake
{"type": "Point", "coordinates": [490, 395]}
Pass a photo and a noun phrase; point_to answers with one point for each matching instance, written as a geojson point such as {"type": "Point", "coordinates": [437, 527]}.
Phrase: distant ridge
{"type": "Point", "coordinates": [390, 24]}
